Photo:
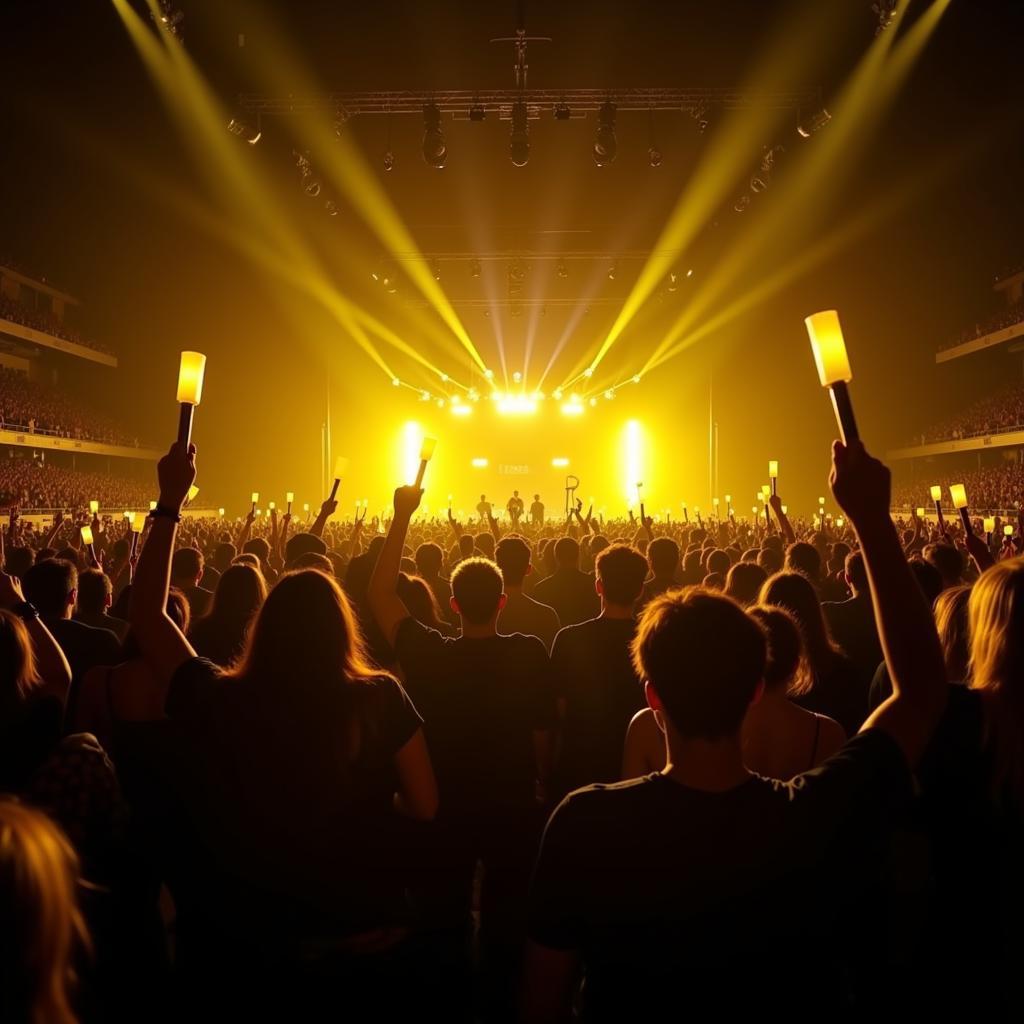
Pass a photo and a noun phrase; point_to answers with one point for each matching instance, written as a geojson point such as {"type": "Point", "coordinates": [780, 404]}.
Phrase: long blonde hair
{"type": "Point", "coordinates": [40, 924]}
{"type": "Point", "coordinates": [996, 626]}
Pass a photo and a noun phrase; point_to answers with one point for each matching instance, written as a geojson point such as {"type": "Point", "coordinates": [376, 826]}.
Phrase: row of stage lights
{"type": "Point", "coordinates": [514, 403]}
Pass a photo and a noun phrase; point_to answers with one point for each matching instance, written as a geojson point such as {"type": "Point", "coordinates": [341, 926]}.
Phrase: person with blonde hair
{"type": "Point", "coordinates": [41, 927]}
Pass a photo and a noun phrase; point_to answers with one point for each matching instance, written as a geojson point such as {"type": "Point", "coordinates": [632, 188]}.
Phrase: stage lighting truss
{"type": "Point", "coordinates": [307, 176]}
{"type": "Point", "coordinates": [245, 131]}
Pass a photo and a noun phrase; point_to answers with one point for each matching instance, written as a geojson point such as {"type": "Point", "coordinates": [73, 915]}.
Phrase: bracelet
{"type": "Point", "coordinates": [26, 610]}
{"type": "Point", "coordinates": [163, 512]}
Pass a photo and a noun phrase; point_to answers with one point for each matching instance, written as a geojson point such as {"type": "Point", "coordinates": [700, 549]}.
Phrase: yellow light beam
{"type": "Point", "coordinates": [858, 108]}
{"type": "Point", "coordinates": [723, 160]}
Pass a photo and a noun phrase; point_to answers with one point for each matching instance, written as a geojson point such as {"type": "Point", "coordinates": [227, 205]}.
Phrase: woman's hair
{"type": "Point", "coordinates": [240, 591]}
{"type": "Point", "coordinates": [795, 592]}
{"type": "Point", "coordinates": [40, 924]}
{"type": "Point", "coordinates": [177, 610]}
{"type": "Point", "coordinates": [304, 636]}
{"type": "Point", "coordinates": [17, 661]}
{"type": "Point", "coordinates": [996, 630]}
{"type": "Point", "coordinates": [419, 599]}
{"type": "Point", "coordinates": [787, 667]}
{"type": "Point", "coordinates": [951, 623]}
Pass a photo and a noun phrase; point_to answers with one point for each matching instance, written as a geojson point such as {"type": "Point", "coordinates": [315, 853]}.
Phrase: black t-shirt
{"type": "Point", "coordinates": [679, 898]}
{"type": "Point", "coordinates": [571, 593]}
{"type": "Point", "coordinates": [593, 673]}
{"type": "Point", "coordinates": [839, 692]}
{"type": "Point", "coordinates": [85, 647]}
{"type": "Point", "coordinates": [273, 836]}
{"type": "Point", "coordinates": [482, 699]}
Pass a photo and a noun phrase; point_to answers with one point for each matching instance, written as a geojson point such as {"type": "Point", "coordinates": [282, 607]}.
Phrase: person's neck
{"type": "Point", "coordinates": [714, 766]}
{"type": "Point", "coordinates": [513, 591]}
{"type": "Point", "coordinates": [616, 611]}
{"type": "Point", "coordinates": [472, 631]}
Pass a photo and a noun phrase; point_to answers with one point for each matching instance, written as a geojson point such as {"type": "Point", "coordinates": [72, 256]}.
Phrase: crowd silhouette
{"type": "Point", "coordinates": [581, 768]}
{"type": "Point", "coordinates": [47, 322]}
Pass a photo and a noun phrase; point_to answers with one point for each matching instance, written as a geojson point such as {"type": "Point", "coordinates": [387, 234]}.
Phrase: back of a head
{"type": "Point", "coordinates": [795, 592]}
{"type": "Point", "coordinates": [246, 558]}
{"type": "Point", "coordinates": [947, 560]}
{"type": "Point", "coordinates": [951, 622]}
{"type": "Point", "coordinates": [41, 928]}
{"type": "Point", "coordinates": [240, 591]}
{"type": "Point", "coordinates": [786, 667]}
{"type": "Point", "coordinates": [693, 567]}
{"type": "Point", "coordinates": [223, 555]}
{"type": "Point", "coordinates": [18, 561]}
{"type": "Point", "coordinates": [312, 560]}
{"type": "Point", "coordinates": [622, 571]}
{"type": "Point", "coordinates": [300, 544]}
{"type": "Point", "coordinates": [929, 579]}
{"type": "Point", "coordinates": [856, 572]}
{"type": "Point", "coordinates": [17, 662]}
{"type": "Point", "coordinates": [770, 559]}
{"type": "Point", "coordinates": [598, 543]}
{"type": "Point", "coordinates": [484, 543]}
{"type": "Point", "coordinates": [996, 628]}
{"type": "Point", "coordinates": [567, 553]}
{"type": "Point", "coordinates": [513, 557]}
{"type": "Point", "coordinates": [466, 545]}
{"type": "Point", "coordinates": [186, 564]}
{"type": "Point", "coordinates": [429, 559]}
{"type": "Point", "coordinates": [803, 557]}
{"type": "Point", "coordinates": [663, 554]}
{"type": "Point", "coordinates": [257, 546]}
{"type": "Point", "coordinates": [94, 588]}
{"type": "Point", "coordinates": [49, 584]}
{"type": "Point", "coordinates": [477, 586]}
{"type": "Point", "coordinates": [419, 600]}
{"type": "Point", "coordinates": [744, 582]}
{"type": "Point", "coordinates": [304, 636]}
{"type": "Point", "coordinates": [704, 657]}
{"type": "Point", "coordinates": [718, 561]}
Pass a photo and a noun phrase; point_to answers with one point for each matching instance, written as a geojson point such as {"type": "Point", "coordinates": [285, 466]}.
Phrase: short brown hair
{"type": "Point", "coordinates": [477, 586]}
{"type": "Point", "coordinates": [622, 571]}
{"type": "Point", "coordinates": [704, 657]}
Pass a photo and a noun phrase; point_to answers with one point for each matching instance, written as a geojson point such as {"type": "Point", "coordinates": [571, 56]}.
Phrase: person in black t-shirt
{"type": "Point", "coordinates": [568, 590]}
{"type": "Point", "coordinates": [596, 685]}
{"type": "Point", "coordinates": [272, 792]}
{"type": "Point", "coordinates": [696, 886]}
{"type": "Point", "coordinates": [489, 712]}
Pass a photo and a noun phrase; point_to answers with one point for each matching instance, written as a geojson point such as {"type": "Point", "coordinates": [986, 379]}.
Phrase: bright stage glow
{"type": "Point", "coordinates": [515, 405]}
{"type": "Point", "coordinates": [461, 410]}
{"type": "Point", "coordinates": [479, 463]}
{"type": "Point", "coordinates": [633, 459]}
{"type": "Point", "coordinates": [574, 407]}
{"type": "Point", "coordinates": [559, 463]}
{"type": "Point", "coordinates": [409, 451]}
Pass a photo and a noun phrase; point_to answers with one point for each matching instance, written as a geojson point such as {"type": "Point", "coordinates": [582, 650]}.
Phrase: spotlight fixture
{"type": "Point", "coordinates": [477, 112]}
{"type": "Point", "coordinates": [519, 140]}
{"type": "Point", "coordinates": [389, 160]}
{"type": "Point", "coordinates": [424, 396]}
{"type": "Point", "coordinates": [653, 152]}
{"type": "Point", "coordinates": [310, 184]}
{"type": "Point", "coordinates": [331, 207]}
{"type": "Point", "coordinates": [703, 114]}
{"type": "Point", "coordinates": [562, 270]}
{"type": "Point", "coordinates": [762, 178]}
{"type": "Point", "coordinates": [557, 394]}
{"type": "Point", "coordinates": [517, 377]}
{"type": "Point", "coordinates": [435, 270]}
{"type": "Point", "coordinates": [636, 378]}
{"type": "Point", "coordinates": [562, 111]}
{"type": "Point", "coordinates": [444, 378]}
{"type": "Point", "coordinates": [240, 127]}
{"type": "Point", "coordinates": [473, 395]}
{"type": "Point", "coordinates": [612, 270]}
{"type": "Point", "coordinates": [593, 402]}
{"type": "Point", "coordinates": [588, 372]}
{"type": "Point", "coordinates": [395, 382]}
{"type": "Point", "coordinates": [342, 116]}
{"type": "Point", "coordinates": [605, 144]}
{"type": "Point", "coordinates": [885, 11]}
{"type": "Point", "coordinates": [609, 394]}
{"type": "Point", "coordinates": [489, 374]}
{"type": "Point", "coordinates": [654, 156]}
{"type": "Point", "coordinates": [435, 151]}
{"type": "Point", "coordinates": [673, 281]}
{"type": "Point", "coordinates": [474, 268]}
{"type": "Point", "coordinates": [741, 204]}
{"type": "Point", "coordinates": [171, 18]}
{"type": "Point", "coordinates": [814, 123]}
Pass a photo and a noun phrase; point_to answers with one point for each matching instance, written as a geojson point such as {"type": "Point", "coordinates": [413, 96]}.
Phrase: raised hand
{"type": "Point", "coordinates": [407, 500]}
{"type": "Point", "coordinates": [10, 591]}
{"type": "Point", "coordinates": [860, 483]}
{"type": "Point", "coordinates": [176, 472]}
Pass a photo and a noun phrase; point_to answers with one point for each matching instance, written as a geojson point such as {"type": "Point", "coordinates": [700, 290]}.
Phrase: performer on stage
{"type": "Point", "coordinates": [537, 511]}
{"type": "Point", "coordinates": [484, 508]}
{"type": "Point", "coordinates": [515, 508]}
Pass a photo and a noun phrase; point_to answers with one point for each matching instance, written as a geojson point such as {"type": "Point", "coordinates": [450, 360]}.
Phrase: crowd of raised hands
{"type": "Point", "coordinates": [595, 769]}
{"type": "Point", "coordinates": [32, 407]}
{"type": "Point", "coordinates": [990, 489]}
{"type": "Point", "coordinates": [48, 323]}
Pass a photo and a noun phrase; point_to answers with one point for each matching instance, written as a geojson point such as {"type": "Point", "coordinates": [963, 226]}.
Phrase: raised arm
{"type": "Point", "coordinates": [51, 665]}
{"type": "Point", "coordinates": [861, 486]}
{"type": "Point", "coordinates": [785, 527]}
{"type": "Point", "coordinates": [163, 645]}
{"type": "Point", "coordinates": [58, 525]}
{"type": "Point", "coordinates": [388, 608]}
{"type": "Point", "coordinates": [327, 509]}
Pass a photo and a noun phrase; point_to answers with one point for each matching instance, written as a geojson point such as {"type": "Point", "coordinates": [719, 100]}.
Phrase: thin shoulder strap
{"type": "Point", "coordinates": [817, 734]}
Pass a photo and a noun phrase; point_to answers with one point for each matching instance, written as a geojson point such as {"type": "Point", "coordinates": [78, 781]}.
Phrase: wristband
{"type": "Point", "coordinates": [163, 512]}
{"type": "Point", "coordinates": [26, 610]}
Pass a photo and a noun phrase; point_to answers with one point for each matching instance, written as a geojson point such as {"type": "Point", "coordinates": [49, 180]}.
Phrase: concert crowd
{"type": "Point", "coordinates": [47, 322]}
{"type": "Point", "coordinates": [546, 769]}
